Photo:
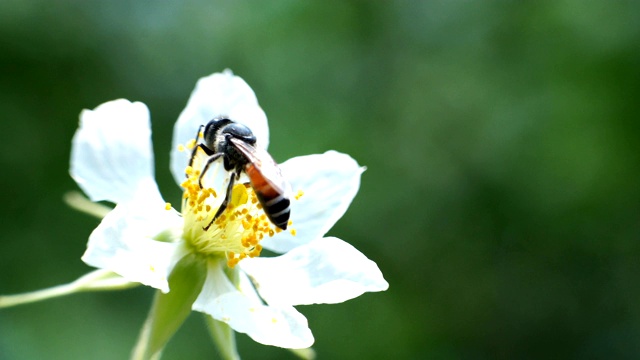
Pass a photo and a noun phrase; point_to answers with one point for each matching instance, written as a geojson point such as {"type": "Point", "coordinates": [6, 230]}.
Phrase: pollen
{"type": "Point", "coordinates": [191, 144]}
{"type": "Point", "coordinates": [181, 148]}
{"type": "Point", "coordinates": [235, 234]}
{"type": "Point", "coordinates": [299, 194]}
{"type": "Point", "coordinates": [167, 206]}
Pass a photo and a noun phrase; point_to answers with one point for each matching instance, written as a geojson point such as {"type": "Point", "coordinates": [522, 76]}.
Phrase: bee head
{"type": "Point", "coordinates": [220, 129]}
{"type": "Point", "coordinates": [239, 131]}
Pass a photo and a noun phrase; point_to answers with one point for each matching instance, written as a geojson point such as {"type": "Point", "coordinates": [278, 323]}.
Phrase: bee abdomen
{"type": "Point", "coordinates": [276, 208]}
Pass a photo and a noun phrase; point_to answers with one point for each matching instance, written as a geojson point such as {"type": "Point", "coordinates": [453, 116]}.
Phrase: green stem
{"type": "Point", "coordinates": [170, 310]}
{"type": "Point", "coordinates": [98, 280]}
{"type": "Point", "coordinates": [77, 201]}
{"type": "Point", "coordinates": [224, 338]}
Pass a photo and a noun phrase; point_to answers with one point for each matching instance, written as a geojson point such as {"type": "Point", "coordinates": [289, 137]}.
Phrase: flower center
{"type": "Point", "coordinates": [237, 232]}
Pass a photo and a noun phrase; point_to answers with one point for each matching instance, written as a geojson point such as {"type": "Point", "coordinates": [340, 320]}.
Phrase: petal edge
{"type": "Point", "coordinates": [219, 94]}
{"type": "Point", "coordinates": [111, 153]}
{"type": "Point", "coordinates": [330, 182]}
{"type": "Point", "coordinates": [325, 271]}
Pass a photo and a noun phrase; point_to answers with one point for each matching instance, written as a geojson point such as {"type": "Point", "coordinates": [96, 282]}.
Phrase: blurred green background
{"type": "Point", "coordinates": [501, 199]}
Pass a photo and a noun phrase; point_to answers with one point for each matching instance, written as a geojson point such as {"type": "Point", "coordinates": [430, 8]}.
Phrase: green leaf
{"type": "Point", "coordinates": [170, 310]}
{"type": "Point", "coordinates": [224, 338]}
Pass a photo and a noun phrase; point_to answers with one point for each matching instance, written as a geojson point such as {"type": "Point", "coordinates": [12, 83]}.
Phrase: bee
{"type": "Point", "coordinates": [236, 144]}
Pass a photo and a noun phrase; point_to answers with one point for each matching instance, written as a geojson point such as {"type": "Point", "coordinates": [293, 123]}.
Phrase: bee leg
{"type": "Point", "coordinates": [211, 159]}
{"type": "Point", "coordinates": [206, 150]}
{"type": "Point", "coordinates": [201, 146]}
{"type": "Point", "coordinates": [195, 149]}
{"type": "Point", "coordinates": [225, 202]}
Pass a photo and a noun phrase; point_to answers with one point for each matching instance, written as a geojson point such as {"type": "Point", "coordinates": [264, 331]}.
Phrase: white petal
{"type": "Point", "coordinates": [276, 326]}
{"type": "Point", "coordinates": [111, 153]}
{"type": "Point", "coordinates": [325, 271]}
{"type": "Point", "coordinates": [329, 181]}
{"type": "Point", "coordinates": [123, 243]}
{"type": "Point", "coordinates": [220, 94]}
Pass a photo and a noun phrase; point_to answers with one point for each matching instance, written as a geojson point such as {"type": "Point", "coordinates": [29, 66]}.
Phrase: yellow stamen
{"type": "Point", "coordinates": [235, 234]}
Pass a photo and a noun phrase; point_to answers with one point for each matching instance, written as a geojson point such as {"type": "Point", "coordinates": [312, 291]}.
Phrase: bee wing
{"type": "Point", "coordinates": [264, 163]}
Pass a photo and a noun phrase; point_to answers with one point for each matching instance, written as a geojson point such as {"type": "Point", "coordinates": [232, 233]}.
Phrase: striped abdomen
{"type": "Point", "coordinates": [275, 202]}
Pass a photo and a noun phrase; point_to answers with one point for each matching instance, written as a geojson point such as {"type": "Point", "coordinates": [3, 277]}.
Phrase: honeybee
{"type": "Point", "coordinates": [236, 144]}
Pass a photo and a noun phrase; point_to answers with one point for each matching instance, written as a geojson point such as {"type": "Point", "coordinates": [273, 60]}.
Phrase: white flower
{"type": "Point", "coordinates": [143, 238]}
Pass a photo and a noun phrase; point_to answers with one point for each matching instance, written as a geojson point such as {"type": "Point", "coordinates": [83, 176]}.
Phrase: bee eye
{"type": "Point", "coordinates": [212, 129]}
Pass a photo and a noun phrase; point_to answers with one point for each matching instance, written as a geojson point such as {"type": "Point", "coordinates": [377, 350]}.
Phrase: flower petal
{"type": "Point", "coordinates": [325, 271]}
{"type": "Point", "coordinates": [111, 153]}
{"type": "Point", "coordinates": [329, 181]}
{"type": "Point", "coordinates": [220, 94]}
{"type": "Point", "coordinates": [124, 244]}
{"type": "Point", "coordinates": [277, 326]}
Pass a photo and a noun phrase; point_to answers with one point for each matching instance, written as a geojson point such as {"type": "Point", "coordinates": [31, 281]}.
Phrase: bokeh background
{"type": "Point", "coordinates": [501, 199]}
